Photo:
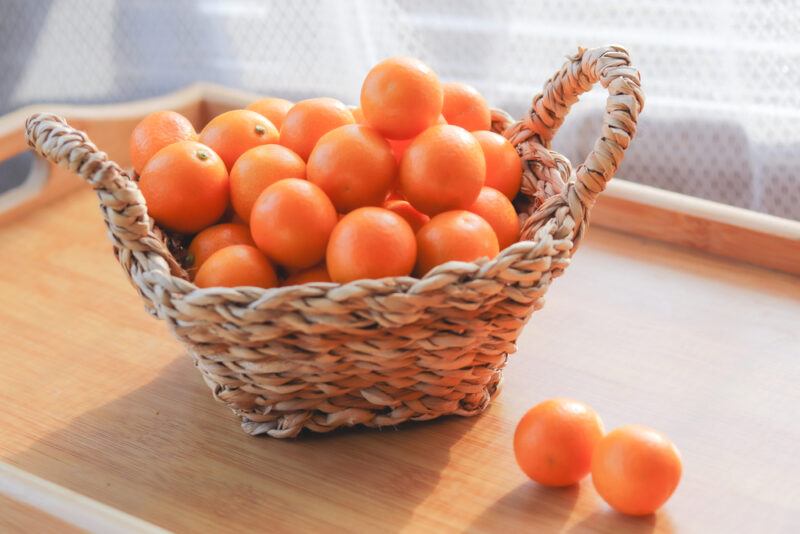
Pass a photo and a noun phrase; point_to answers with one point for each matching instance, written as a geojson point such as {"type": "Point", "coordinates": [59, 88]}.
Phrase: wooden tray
{"type": "Point", "coordinates": [106, 425]}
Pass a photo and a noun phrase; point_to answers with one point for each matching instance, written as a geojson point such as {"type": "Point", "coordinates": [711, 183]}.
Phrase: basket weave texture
{"type": "Point", "coordinates": [374, 352]}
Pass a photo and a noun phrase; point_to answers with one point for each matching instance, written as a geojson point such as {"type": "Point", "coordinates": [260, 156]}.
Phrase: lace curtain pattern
{"type": "Point", "coordinates": [723, 107]}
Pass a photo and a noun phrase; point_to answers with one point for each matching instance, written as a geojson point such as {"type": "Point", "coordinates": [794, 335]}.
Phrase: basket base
{"type": "Point", "coordinates": [290, 425]}
{"type": "Point", "coordinates": [280, 396]}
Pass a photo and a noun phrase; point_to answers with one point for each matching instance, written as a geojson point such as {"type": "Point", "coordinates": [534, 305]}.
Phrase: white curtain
{"type": "Point", "coordinates": [722, 78]}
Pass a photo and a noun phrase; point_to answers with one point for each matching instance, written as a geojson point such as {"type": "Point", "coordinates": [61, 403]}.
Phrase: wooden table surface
{"type": "Point", "coordinates": [99, 398]}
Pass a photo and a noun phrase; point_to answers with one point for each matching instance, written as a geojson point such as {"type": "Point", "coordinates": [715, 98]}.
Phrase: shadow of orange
{"type": "Point", "coordinates": [612, 522]}
{"type": "Point", "coordinates": [529, 504]}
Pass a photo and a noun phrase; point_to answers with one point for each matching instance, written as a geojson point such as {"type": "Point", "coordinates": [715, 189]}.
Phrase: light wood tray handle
{"type": "Point", "coordinates": [123, 206]}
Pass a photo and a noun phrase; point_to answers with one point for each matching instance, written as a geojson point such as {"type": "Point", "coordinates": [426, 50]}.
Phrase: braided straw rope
{"type": "Point", "coordinates": [373, 352]}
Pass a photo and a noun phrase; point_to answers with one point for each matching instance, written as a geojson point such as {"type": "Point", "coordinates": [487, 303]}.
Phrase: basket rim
{"type": "Point", "coordinates": [461, 272]}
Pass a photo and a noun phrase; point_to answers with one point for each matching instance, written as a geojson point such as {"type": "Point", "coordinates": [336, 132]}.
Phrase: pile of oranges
{"type": "Point", "coordinates": [289, 193]}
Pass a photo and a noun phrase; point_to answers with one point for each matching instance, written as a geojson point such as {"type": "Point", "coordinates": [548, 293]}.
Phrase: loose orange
{"type": "Point", "coordinates": [371, 243]}
{"type": "Point", "coordinates": [405, 210]}
{"type": "Point", "coordinates": [401, 97]}
{"type": "Point", "coordinates": [215, 238]}
{"type": "Point", "coordinates": [234, 132]}
{"type": "Point", "coordinates": [498, 211]}
{"type": "Point", "coordinates": [235, 266]}
{"type": "Point", "coordinates": [259, 168]}
{"type": "Point", "coordinates": [291, 222]}
{"type": "Point", "coordinates": [156, 131]}
{"type": "Point", "coordinates": [318, 273]}
{"type": "Point", "coordinates": [274, 109]}
{"type": "Point", "coordinates": [185, 185]}
{"type": "Point", "coordinates": [454, 235]}
{"type": "Point", "coordinates": [354, 165]}
{"type": "Point", "coordinates": [308, 120]}
{"type": "Point", "coordinates": [503, 166]}
{"type": "Point", "coordinates": [636, 469]}
{"type": "Point", "coordinates": [554, 441]}
{"type": "Point", "coordinates": [464, 106]}
{"type": "Point", "coordinates": [443, 169]}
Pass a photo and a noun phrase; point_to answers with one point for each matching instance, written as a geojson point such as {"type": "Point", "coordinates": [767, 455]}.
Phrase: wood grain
{"type": "Point", "coordinates": [100, 399]}
{"type": "Point", "coordinates": [31, 504]}
{"type": "Point", "coordinates": [718, 229]}
{"type": "Point", "coordinates": [16, 517]}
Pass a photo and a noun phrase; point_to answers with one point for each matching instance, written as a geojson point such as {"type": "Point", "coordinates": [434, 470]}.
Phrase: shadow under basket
{"type": "Point", "coordinates": [374, 352]}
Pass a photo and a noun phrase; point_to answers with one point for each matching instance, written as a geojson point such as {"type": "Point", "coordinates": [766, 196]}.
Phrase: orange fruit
{"type": "Point", "coordinates": [554, 441]}
{"type": "Point", "coordinates": [234, 132]}
{"type": "Point", "coordinates": [498, 211]}
{"type": "Point", "coordinates": [401, 97]}
{"type": "Point", "coordinates": [235, 266]}
{"type": "Point", "coordinates": [636, 469]}
{"type": "Point", "coordinates": [358, 115]}
{"type": "Point", "coordinates": [371, 243]}
{"type": "Point", "coordinates": [215, 238]}
{"type": "Point", "coordinates": [464, 106]}
{"type": "Point", "coordinates": [274, 109]}
{"type": "Point", "coordinates": [318, 273]}
{"type": "Point", "coordinates": [399, 146]}
{"type": "Point", "coordinates": [503, 166]}
{"type": "Point", "coordinates": [230, 215]}
{"type": "Point", "coordinates": [156, 131]}
{"type": "Point", "coordinates": [394, 194]}
{"type": "Point", "coordinates": [354, 165]}
{"type": "Point", "coordinates": [185, 185]}
{"type": "Point", "coordinates": [443, 169]}
{"type": "Point", "coordinates": [259, 168]}
{"type": "Point", "coordinates": [415, 219]}
{"type": "Point", "coordinates": [291, 222]}
{"type": "Point", "coordinates": [454, 235]}
{"type": "Point", "coordinates": [308, 120]}
{"type": "Point", "coordinates": [238, 220]}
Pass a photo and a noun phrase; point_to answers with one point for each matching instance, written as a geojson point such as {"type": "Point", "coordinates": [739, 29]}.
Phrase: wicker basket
{"type": "Point", "coordinates": [374, 352]}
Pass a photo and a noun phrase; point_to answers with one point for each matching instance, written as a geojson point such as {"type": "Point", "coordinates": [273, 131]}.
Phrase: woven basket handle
{"type": "Point", "coordinates": [611, 67]}
{"type": "Point", "coordinates": [122, 203]}
{"type": "Point", "coordinates": [570, 201]}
